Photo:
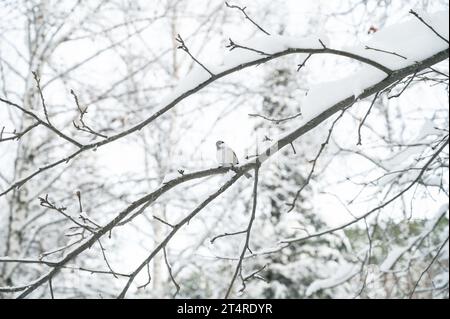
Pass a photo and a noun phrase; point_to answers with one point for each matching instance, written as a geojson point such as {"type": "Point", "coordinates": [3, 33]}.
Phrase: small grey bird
{"type": "Point", "coordinates": [226, 157]}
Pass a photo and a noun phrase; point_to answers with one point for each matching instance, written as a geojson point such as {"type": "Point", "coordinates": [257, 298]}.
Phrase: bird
{"type": "Point", "coordinates": [226, 157]}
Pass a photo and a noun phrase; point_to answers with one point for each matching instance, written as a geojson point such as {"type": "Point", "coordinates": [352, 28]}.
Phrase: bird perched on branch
{"type": "Point", "coordinates": [226, 157]}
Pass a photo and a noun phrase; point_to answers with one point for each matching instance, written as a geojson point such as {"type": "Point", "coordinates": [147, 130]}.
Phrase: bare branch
{"type": "Point", "coordinates": [50, 286]}
{"type": "Point", "coordinates": [169, 268]}
{"type": "Point", "coordinates": [83, 127]}
{"type": "Point", "coordinates": [227, 234]}
{"type": "Point", "coordinates": [429, 26]}
{"type": "Point", "coordinates": [175, 229]}
{"type": "Point", "coordinates": [183, 47]}
{"type": "Point", "coordinates": [398, 75]}
{"type": "Point", "coordinates": [44, 106]}
{"type": "Point", "coordinates": [301, 65]}
{"type": "Point", "coordinates": [393, 53]}
{"type": "Point", "coordinates": [45, 202]}
{"type": "Point", "coordinates": [404, 88]}
{"type": "Point", "coordinates": [49, 126]}
{"type": "Point", "coordinates": [254, 274]}
{"type": "Point", "coordinates": [428, 267]}
{"type": "Point", "coordinates": [322, 44]}
{"type": "Point", "coordinates": [386, 203]}
{"type": "Point", "coordinates": [163, 221]}
{"type": "Point", "coordinates": [287, 139]}
{"type": "Point", "coordinates": [277, 121]}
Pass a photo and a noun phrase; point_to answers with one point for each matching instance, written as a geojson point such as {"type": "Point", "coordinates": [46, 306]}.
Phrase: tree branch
{"type": "Point", "coordinates": [278, 145]}
{"type": "Point", "coordinates": [40, 121]}
{"type": "Point", "coordinates": [386, 203]}
{"type": "Point", "coordinates": [183, 47]}
{"type": "Point", "coordinates": [247, 17]}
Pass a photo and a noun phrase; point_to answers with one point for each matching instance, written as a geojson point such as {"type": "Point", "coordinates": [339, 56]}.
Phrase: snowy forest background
{"type": "Point", "coordinates": [357, 207]}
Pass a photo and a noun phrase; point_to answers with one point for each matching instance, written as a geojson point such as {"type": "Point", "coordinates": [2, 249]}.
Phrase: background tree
{"type": "Point", "coordinates": [108, 183]}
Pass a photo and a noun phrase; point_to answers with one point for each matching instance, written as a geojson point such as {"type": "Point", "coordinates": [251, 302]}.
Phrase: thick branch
{"type": "Point", "coordinates": [286, 140]}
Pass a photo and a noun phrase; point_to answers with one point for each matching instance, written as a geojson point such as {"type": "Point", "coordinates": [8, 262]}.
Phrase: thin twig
{"type": "Point", "coordinates": [17, 135]}
{"type": "Point", "coordinates": [163, 221]}
{"type": "Point", "coordinates": [365, 117]}
{"type": "Point", "coordinates": [83, 110]}
{"type": "Point", "coordinates": [59, 249]}
{"type": "Point", "coordinates": [293, 148]}
{"type": "Point", "coordinates": [301, 65]}
{"type": "Point", "coordinates": [78, 194]}
{"type": "Point", "coordinates": [177, 286]}
{"type": "Point", "coordinates": [106, 260]}
{"type": "Point", "coordinates": [323, 44]}
{"type": "Point", "coordinates": [389, 52]}
{"type": "Point", "coordinates": [252, 275]}
{"type": "Point", "coordinates": [238, 269]}
{"type": "Point", "coordinates": [438, 72]}
{"type": "Point", "coordinates": [440, 56]}
{"type": "Point", "coordinates": [246, 16]}
{"type": "Point", "coordinates": [428, 267]}
{"type": "Point", "coordinates": [149, 278]}
{"type": "Point", "coordinates": [45, 202]}
{"type": "Point", "coordinates": [44, 106]}
{"type": "Point", "coordinates": [183, 47]}
{"type": "Point", "coordinates": [94, 271]}
{"type": "Point", "coordinates": [277, 121]}
{"type": "Point", "coordinates": [233, 45]}
{"type": "Point", "coordinates": [151, 197]}
{"type": "Point", "coordinates": [429, 26]}
{"type": "Point", "coordinates": [37, 118]}
{"type": "Point", "coordinates": [404, 88]}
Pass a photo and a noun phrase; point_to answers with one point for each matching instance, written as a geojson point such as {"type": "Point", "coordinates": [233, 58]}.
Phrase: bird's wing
{"type": "Point", "coordinates": [224, 156]}
{"type": "Point", "coordinates": [235, 159]}
{"type": "Point", "coordinates": [219, 156]}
